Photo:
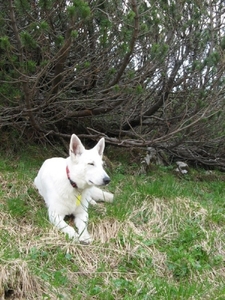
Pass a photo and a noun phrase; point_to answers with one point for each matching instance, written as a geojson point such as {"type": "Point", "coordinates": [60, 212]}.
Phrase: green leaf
{"type": "Point", "coordinates": [59, 40]}
{"type": "Point", "coordinates": [4, 43]}
{"type": "Point", "coordinates": [44, 25]}
{"type": "Point", "coordinates": [82, 8]}
{"type": "Point", "coordinates": [131, 15]}
{"type": "Point", "coordinates": [212, 60]}
{"type": "Point", "coordinates": [222, 43]}
{"type": "Point", "coordinates": [74, 34]}
{"type": "Point", "coordinates": [27, 40]}
{"type": "Point", "coordinates": [71, 11]}
{"type": "Point", "coordinates": [31, 65]}
{"type": "Point", "coordinates": [139, 89]}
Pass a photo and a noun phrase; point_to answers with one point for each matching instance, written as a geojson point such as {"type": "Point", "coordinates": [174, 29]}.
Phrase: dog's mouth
{"type": "Point", "coordinates": [92, 183]}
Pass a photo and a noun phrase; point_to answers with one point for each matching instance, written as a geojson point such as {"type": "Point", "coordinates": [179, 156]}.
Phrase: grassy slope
{"type": "Point", "coordinates": [162, 238]}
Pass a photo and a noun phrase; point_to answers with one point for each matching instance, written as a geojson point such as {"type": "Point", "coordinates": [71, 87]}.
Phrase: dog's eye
{"type": "Point", "coordinates": [91, 164]}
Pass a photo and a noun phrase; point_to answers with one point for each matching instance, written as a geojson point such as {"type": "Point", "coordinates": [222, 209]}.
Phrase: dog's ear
{"type": "Point", "coordinates": [100, 146]}
{"type": "Point", "coordinates": [76, 147]}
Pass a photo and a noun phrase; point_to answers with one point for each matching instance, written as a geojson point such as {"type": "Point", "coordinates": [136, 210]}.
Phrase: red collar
{"type": "Point", "coordinates": [74, 185]}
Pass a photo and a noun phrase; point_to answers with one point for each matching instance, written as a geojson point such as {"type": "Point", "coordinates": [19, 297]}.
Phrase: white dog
{"type": "Point", "coordinates": [69, 184]}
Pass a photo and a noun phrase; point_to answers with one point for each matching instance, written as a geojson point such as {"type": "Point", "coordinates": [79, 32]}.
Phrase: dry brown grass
{"type": "Point", "coordinates": [17, 282]}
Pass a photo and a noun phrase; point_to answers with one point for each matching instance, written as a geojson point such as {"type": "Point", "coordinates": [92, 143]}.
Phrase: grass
{"type": "Point", "coordinates": [162, 238]}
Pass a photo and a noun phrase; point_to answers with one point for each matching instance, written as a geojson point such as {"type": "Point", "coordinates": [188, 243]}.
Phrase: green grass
{"type": "Point", "coordinates": [162, 238]}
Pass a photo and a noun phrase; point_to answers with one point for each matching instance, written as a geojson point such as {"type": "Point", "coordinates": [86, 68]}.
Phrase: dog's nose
{"type": "Point", "coordinates": [106, 180]}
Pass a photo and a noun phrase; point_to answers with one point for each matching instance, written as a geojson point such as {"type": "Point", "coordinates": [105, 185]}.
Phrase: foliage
{"type": "Point", "coordinates": [142, 73]}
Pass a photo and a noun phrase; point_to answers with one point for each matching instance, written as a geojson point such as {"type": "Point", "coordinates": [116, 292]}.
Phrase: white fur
{"type": "Point", "coordinates": [86, 170]}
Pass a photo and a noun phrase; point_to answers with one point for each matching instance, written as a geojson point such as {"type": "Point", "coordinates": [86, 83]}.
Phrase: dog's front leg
{"type": "Point", "coordinates": [81, 222]}
{"type": "Point", "coordinates": [59, 222]}
{"type": "Point", "coordinates": [99, 195]}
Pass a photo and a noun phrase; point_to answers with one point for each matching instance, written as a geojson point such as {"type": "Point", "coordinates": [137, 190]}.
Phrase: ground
{"type": "Point", "coordinates": [162, 238]}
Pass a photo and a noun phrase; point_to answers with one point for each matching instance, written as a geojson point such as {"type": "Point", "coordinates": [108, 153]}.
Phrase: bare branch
{"type": "Point", "coordinates": [131, 46]}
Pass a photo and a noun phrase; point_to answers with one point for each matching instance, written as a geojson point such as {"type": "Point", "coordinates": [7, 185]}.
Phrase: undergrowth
{"type": "Point", "coordinates": [162, 238]}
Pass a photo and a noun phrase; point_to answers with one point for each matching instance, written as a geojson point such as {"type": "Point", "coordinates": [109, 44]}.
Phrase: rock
{"type": "Point", "coordinates": [182, 167]}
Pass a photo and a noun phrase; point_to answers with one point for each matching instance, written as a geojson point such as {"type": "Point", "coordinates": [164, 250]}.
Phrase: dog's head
{"type": "Point", "coordinates": [86, 166]}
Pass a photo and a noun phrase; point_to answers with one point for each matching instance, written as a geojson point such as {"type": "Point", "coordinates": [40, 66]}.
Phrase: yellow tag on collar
{"type": "Point", "coordinates": [78, 200]}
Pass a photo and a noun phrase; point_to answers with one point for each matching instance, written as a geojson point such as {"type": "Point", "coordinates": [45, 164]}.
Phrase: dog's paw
{"type": "Point", "coordinates": [108, 197]}
{"type": "Point", "coordinates": [85, 239]}
{"type": "Point", "coordinates": [71, 233]}
{"type": "Point", "coordinates": [92, 202]}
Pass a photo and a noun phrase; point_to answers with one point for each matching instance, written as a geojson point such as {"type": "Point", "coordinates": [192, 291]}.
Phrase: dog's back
{"type": "Point", "coordinates": [51, 177]}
